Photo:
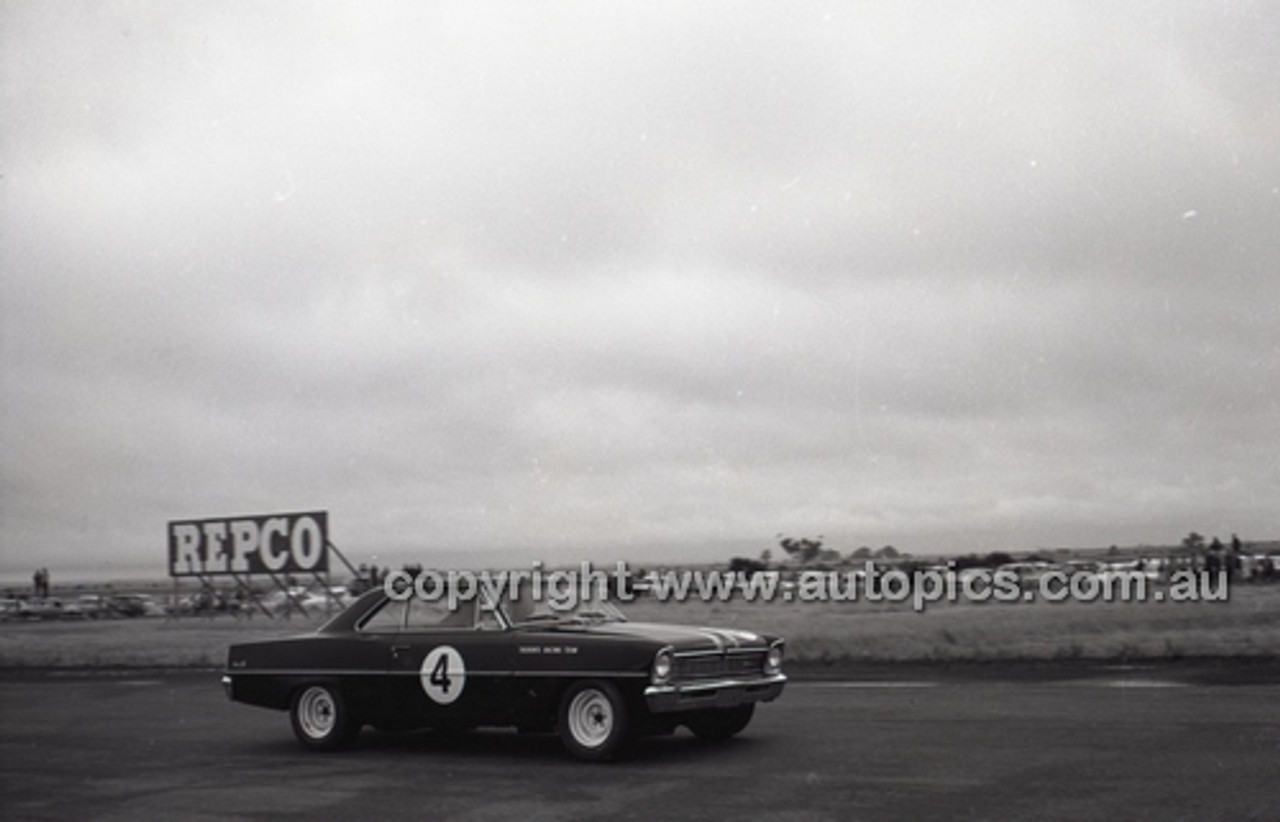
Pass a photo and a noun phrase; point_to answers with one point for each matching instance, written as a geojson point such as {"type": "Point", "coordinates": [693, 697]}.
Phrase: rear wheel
{"type": "Point", "coordinates": [593, 720]}
{"type": "Point", "coordinates": [320, 718]}
{"type": "Point", "coordinates": [717, 724]}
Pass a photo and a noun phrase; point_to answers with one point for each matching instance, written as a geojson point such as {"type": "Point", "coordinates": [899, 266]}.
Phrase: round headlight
{"type": "Point", "coordinates": [661, 666]}
{"type": "Point", "coordinates": [773, 662]}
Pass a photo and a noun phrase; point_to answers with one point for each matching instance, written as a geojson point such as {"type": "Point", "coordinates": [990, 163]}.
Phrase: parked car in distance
{"type": "Point", "coordinates": [326, 600]}
{"type": "Point", "coordinates": [134, 605]}
{"type": "Point", "coordinates": [12, 608]}
{"type": "Point", "coordinates": [586, 673]}
{"type": "Point", "coordinates": [94, 606]}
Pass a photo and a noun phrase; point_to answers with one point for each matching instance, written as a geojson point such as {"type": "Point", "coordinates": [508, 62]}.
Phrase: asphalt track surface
{"type": "Point", "coordinates": [1116, 744]}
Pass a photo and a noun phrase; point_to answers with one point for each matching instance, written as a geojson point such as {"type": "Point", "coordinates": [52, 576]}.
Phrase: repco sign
{"type": "Point", "coordinates": [264, 544]}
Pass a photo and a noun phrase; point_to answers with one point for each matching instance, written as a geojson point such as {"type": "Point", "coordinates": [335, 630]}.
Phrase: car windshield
{"type": "Point", "coordinates": [524, 606]}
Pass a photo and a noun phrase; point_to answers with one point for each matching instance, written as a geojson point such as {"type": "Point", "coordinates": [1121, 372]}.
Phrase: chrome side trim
{"type": "Point", "coordinates": [330, 672]}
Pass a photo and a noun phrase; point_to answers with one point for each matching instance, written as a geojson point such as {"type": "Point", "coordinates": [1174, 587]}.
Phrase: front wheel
{"type": "Point", "coordinates": [320, 718]}
{"type": "Point", "coordinates": [593, 720]}
{"type": "Point", "coordinates": [716, 724]}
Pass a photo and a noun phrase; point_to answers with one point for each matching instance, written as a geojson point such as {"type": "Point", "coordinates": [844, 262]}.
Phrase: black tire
{"type": "Point", "coordinates": [320, 718]}
{"type": "Point", "coordinates": [593, 720]}
{"type": "Point", "coordinates": [718, 724]}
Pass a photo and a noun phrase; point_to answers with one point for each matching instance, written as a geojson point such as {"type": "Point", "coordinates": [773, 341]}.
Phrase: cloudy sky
{"type": "Point", "coordinates": [650, 280]}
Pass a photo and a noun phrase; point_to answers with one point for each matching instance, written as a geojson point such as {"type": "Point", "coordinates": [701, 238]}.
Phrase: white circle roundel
{"type": "Point", "coordinates": [443, 674]}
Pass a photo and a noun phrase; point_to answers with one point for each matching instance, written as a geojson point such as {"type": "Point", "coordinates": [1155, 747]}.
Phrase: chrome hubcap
{"type": "Point", "coordinates": [590, 718]}
{"type": "Point", "coordinates": [317, 713]}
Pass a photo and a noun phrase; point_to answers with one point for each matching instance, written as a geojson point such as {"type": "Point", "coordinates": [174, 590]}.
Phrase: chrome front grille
{"type": "Point", "coordinates": [715, 666]}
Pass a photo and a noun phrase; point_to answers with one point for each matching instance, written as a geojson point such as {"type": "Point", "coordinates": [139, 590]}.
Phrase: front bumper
{"type": "Point", "coordinates": [719, 693]}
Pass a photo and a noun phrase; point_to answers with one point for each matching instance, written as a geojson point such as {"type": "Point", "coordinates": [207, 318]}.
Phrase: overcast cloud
{"type": "Point", "coordinates": [648, 280]}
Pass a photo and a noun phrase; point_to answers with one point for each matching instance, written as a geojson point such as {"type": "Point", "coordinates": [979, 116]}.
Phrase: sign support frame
{"type": "Point", "coordinates": [256, 544]}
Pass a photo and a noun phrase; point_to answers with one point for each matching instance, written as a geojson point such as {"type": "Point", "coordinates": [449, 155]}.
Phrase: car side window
{"type": "Point", "coordinates": [436, 614]}
{"type": "Point", "coordinates": [388, 618]}
{"type": "Point", "coordinates": [423, 615]}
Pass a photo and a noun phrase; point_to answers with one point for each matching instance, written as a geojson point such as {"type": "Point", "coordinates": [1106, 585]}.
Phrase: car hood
{"type": "Point", "coordinates": [680, 637]}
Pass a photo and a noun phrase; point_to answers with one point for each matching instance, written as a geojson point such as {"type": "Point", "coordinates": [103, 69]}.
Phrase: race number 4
{"type": "Point", "coordinates": [443, 674]}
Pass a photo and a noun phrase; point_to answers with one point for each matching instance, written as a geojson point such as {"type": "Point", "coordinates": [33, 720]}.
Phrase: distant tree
{"type": "Point", "coordinates": [766, 556]}
{"type": "Point", "coordinates": [1193, 541]}
{"type": "Point", "coordinates": [887, 552]}
{"type": "Point", "coordinates": [804, 550]}
{"type": "Point", "coordinates": [862, 553]}
{"type": "Point", "coordinates": [746, 567]}
{"type": "Point", "coordinates": [997, 558]}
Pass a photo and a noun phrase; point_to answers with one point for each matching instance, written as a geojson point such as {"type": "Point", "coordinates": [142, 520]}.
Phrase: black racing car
{"type": "Point", "coordinates": [586, 672]}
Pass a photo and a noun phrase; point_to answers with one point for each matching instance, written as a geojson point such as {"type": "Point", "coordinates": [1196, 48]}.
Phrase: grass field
{"type": "Point", "coordinates": [818, 635]}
